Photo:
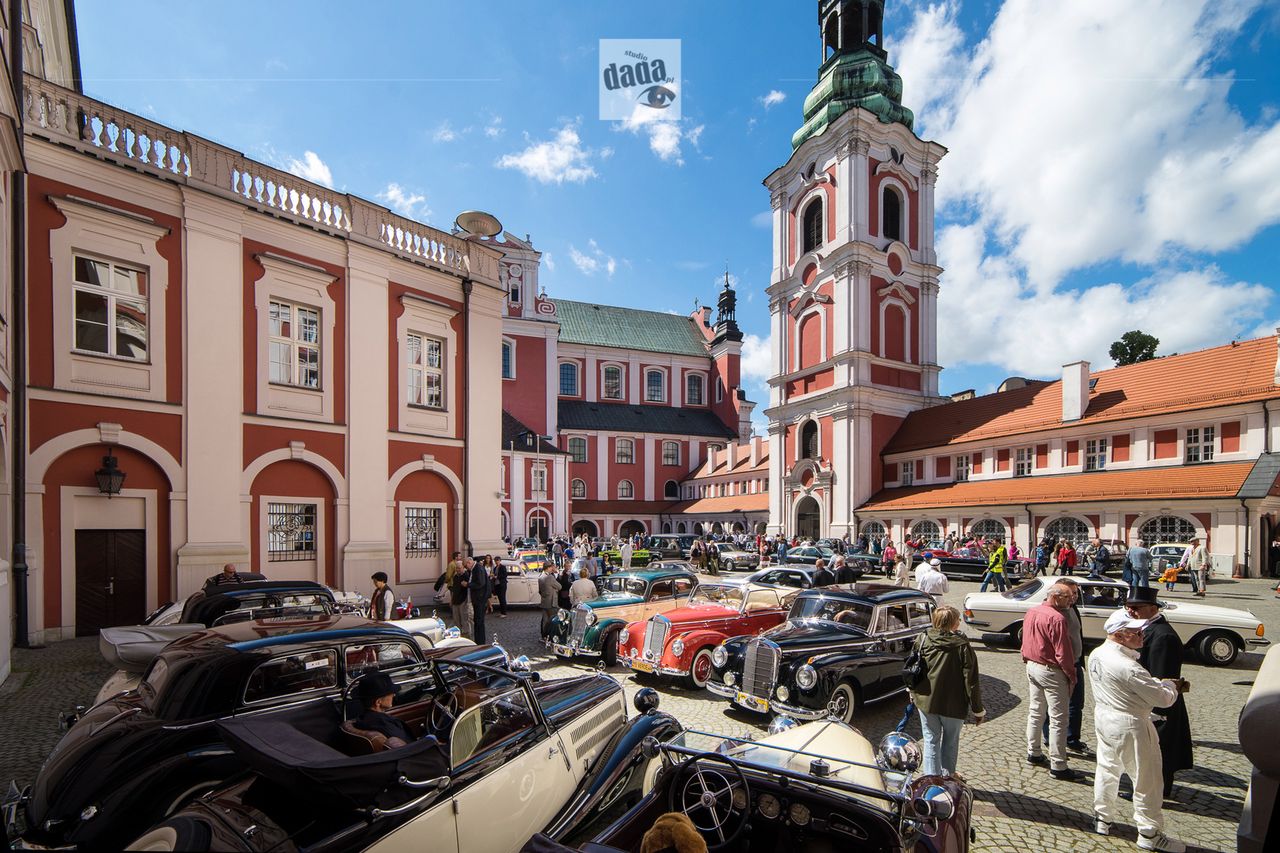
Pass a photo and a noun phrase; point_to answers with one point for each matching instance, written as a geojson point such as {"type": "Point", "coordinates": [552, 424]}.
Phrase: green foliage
{"type": "Point", "coordinates": [1134, 347]}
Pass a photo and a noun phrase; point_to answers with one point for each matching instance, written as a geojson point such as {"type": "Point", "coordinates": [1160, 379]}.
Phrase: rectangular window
{"type": "Point", "coordinates": [294, 332]}
{"type": "Point", "coordinates": [508, 366]}
{"type": "Point", "coordinates": [578, 449]}
{"type": "Point", "coordinates": [1024, 461]}
{"type": "Point", "coordinates": [693, 390]}
{"type": "Point", "coordinates": [426, 372]}
{"type": "Point", "coordinates": [1200, 444]}
{"type": "Point", "coordinates": [421, 531]}
{"type": "Point", "coordinates": [653, 390]}
{"type": "Point", "coordinates": [613, 383]}
{"type": "Point", "coordinates": [291, 532]}
{"type": "Point", "coordinates": [301, 672]}
{"type": "Point", "coordinates": [110, 309]}
{"type": "Point", "coordinates": [1095, 454]}
{"type": "Point", "coordinates": [908, 473]}
{"type": "Point", "coordinates": [962, 463]}
{"type": "Point", "coordinates": [539, 479]}
{"type": "Point", "coordinates": [569, 379]}
{"type": "Point", "coordinates": [670, 453]}
{"type": "Point", "coordinates": [625, 454]}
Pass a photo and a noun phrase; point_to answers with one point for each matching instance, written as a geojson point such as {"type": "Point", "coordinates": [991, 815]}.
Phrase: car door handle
{"type": "Point", "coordinates": [111, 587]}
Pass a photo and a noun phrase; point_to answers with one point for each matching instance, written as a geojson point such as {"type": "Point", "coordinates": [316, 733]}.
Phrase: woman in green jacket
{"type": "Point", "coordinates": [948, 692]}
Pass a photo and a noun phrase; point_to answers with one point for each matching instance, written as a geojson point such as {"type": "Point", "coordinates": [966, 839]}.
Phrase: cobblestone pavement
{"type": "Point", "coordinates": [1018, 808]}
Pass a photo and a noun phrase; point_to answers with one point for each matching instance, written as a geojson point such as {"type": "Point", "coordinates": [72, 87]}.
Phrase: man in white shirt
{"type": "Point", "coordinates": [930, 579]}
{"type": "Point", "coordinates": [583, 589]}
{"type": "Point", "coordinates": [626, 551]}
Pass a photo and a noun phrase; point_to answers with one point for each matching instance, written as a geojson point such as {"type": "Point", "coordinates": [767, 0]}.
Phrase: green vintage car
{"type": "Point", "coordinates": [639, 557]}
{"type": "Point", "coordinates": [591, 629]}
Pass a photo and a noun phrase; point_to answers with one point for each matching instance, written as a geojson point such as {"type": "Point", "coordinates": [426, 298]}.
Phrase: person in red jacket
{"type": "Point", "coordinates": [1067, 559]}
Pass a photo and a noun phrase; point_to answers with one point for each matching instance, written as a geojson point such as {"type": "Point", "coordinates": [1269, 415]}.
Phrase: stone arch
{"type": "Point", "coordinates": [298, 454]}
{"type": "Point", "coordinates": [43, 456]}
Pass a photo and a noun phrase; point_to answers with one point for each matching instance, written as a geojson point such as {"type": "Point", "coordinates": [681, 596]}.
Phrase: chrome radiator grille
{"type": "Point", "coordinates": [655, 638]}
{"type": "Point", "coordinates": [760, 668]}
{"type": "Point", "coordinates": [578, 627]}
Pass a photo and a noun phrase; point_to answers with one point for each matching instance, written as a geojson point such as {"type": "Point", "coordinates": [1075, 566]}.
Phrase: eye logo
{"type": "Point", "coordinates": [658, 97]}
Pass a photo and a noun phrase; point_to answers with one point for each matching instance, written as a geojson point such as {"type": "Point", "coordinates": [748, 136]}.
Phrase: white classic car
{"type": "Point", "coordinates": [1216, 634]}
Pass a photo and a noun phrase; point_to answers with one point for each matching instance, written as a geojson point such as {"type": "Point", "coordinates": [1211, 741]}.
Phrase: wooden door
{"type": "Point", "coordinates": [111, 579]}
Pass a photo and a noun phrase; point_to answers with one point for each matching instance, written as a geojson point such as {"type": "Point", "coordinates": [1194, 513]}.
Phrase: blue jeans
{"type": "Point", "coordinates": [941, 743]}
{"type": "Point", "coordinates": [992, 577]}
{"type": "Point", "coordinates": [906, 716]}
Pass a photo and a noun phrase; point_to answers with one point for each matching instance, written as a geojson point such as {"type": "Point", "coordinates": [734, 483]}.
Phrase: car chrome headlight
{"type": "Point", "coordinates": [563, 615]}
{"type": "Point", "coordinates": [730, 679]}
{"type": "Point", "coordinates": [719, 657]}
{"type": "Point", "coordinates": [592, 618]}
{"type": "Point", "coordinates": [677, 647]}
{"type": "Point", "coordinates": [623, 636]}
{"type": "Point", "coordinates": [806, 677]}
{"type": "Point", "coordinates": [452, 633]}
{"type": "Point", "coordinates": [783, 693]}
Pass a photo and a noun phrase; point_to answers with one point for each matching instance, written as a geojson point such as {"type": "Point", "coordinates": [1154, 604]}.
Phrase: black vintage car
{"type": "Point", "coordinates": [841, 646]}
{"type": "Point", "coordinates": [135, 757]}
{"type": "Point", "coordinates": [961, 565]}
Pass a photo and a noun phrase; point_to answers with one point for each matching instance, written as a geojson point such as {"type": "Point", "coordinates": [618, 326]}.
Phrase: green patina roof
{"type": "Point", "coordinates": [850, 80]}
{"type": "Point", "coordinates": [628, 328]}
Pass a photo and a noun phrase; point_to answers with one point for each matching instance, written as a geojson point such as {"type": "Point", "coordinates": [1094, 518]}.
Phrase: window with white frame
{"type": "Point", "coordinates": [612, 386]}
{"type": "Point", "coordinates": [538, 479]}
{"type": "Point", "coordinates": [110, 309]}
{"type": "Point", "coordinates": [1024, 461]}
{"type": "Point", "coordinates": [568, 379]}
{"type": "Point", "coordinates": [578, 449]}
{"type": "Point", "coordinates": [694, 390]}
{"type": "Point", "coordinates": [422, 531]}
{"type": "Point", "coordinates": [719, 391]}
{"type": "Point", "coordinates": [1095, 454]}
{"type": "Point", "coordinates": [963, 465]}
{"type": "Point", "coordinates": [295, 344]}
{"type": "Point", "coordinates": [625, 490]}
{"type": "Point", "coordinates": [624, 452]}
{"type": "Point", "coordinates": [291, 532]}
{"type": "Point", "coordinates": [578, 489]}
{"type": "Point", "coordinates": [908, 473]}
{"type": "Point", "coordinates": [426, 371]}
{"type": "Point", "coordinates": [670, 453]}
{"type": "Point", "coordinates": [1200, 444]}
{"type": "Point", "coordinates": [671, 491]}
{"type": "Point", "coordinates": [508, 360]}
{"type": "Point", "coordinates": [655, 390]}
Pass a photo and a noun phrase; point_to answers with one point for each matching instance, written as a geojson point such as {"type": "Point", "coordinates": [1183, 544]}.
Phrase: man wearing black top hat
{"type": "Point", "coordinates": [1161, 655]}
{"type": "Point", "coordinates": [378, 693]}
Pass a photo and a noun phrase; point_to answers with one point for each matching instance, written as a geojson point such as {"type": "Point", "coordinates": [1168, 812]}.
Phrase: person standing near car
{"type": "Point", "coordinates": [1101, 557]}
{"type": "Point", "coordinates": [382, 605]}
{"type": "Point", "coordinates": [1075, 632]}
{"type": "Point", "coordinates": [949, 691]}
{"type": "Point", "coordinates": [625, 552]}
{"type": "Point", "coordinates": [458, 595]}
{"type": "Point", "coordinates": [1051, 673]}
{"type": "Point", "coordinates": [901, 573]}
{"type": "Point", "coordinates": [889, 556]}
{"type": "Point", "coordinates": [500, 586]}
{"type": "Point", "coordinates": [583, 589]}
{"type": "Point", "coordinates": [995, 569]}
{"type": "Point", "coordinates": [1198, 565]}
{"type": "Point", "coordinates": [1162, 655]}
{"type": "Point", "coordinates": [1139, 561]}
{"type": "Point", "coordinates": [478, 591]}
{"type": "Point", "coordinates": [844, 572]}
{"type": "Point", "coordinates": [1067, 558]}
{"type": "Point", "coordinates": [930, 579]}
{"type": "Point", "coordinates": [548, 595]}
{"type": "Point", "coordinates": [822, 576]}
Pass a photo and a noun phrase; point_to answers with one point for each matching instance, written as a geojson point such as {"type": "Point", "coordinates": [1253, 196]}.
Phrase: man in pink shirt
{"type": "Point", "coordinates": [1051, 675]}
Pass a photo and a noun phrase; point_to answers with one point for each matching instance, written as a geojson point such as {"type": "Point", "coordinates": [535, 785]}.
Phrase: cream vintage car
{"type": "Point", "coordinates": [591, 629]}
{"type": "Point", "coordinates": [1216, 634]}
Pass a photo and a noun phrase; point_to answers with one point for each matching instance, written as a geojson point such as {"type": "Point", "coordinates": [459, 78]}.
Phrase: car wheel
{"type": "Point", "coordinates": [699, 669]}
{"type": "Point", "coordinates": [729, 566]}
{"type": "Point", "coordinates": [844, 703]}
{"type": "Point", "coordinates": [609, 651]}
{"type": "Point", "coordinates": [1217, 649]}
{"type": "Point", "coordinates": [176, 833]}
{"type": "Point", "coordinates": [1015, 634]}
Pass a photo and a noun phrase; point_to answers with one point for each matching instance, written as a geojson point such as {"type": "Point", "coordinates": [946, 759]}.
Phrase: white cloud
{"type": "Point", "coordinates": [774, 98]}
{"type": "Point", "coordinates": [311, 168]}
{"type": "Point", "coordinates": [763, 219]}
{"type": "Point", "coordinates": [549, 260]}
{"type": "Point", "coordinates": [555, 161]}
{"type": "Point", "coordinates": [757, 360]}
{"type": "Point", "coordinates": [665, 135]}
{"type": "Point", "coordinates": [494, 128]}
{"type": "Point", "coordinates": [444, 132]}
{"type": "Point", "coordinates": [719, 280]}
{"type": "Point", "coordinates": [405, 202]}
{"type": "Point", "coordinates": [593, 260]}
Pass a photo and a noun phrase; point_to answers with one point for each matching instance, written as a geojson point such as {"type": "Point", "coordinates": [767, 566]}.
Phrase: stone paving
{"type": "Point", "coordinates": [1018, 808]}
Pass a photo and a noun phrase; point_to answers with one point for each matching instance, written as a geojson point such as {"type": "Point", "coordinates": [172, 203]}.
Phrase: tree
{"type": "Point", "coordinates": [1134, 347]}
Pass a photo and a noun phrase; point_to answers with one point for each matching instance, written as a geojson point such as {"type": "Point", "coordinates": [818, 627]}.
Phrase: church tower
{"type": "Point", "coordinates": [853, 293]}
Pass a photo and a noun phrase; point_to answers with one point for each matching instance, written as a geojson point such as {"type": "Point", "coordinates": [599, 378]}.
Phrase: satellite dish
{"type": "Point", "coordinates": [479, 223]}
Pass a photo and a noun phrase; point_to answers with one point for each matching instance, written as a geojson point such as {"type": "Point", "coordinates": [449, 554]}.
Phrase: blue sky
{"type": "Point", "coordinates": [1112, 165]}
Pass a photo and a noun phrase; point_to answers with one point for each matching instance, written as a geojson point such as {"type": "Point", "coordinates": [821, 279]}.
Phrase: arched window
{"type": "Point", "coordinates": [809, 440]}
{"type": "Point", "coordinates": [812, 225]}
{"type": "Point", "coordinates": [988, 528]}
{"type": "Point", "coordinates": [568, 379]}
{"type": "Point", "coordinates": [624, 451]}
{"type": "Point", "coordinates": [926, 531]}
{"type": "Point", "coordinates": [577, 489]}
{"type": "Point", "coordinates": [891, 213]}
{"type": "Point", "coordinates": [655, 390]}
{"type": "Point", "coordinates": [694, 390]}
{"type": "Point", "coordinates": [578, 449]}
{"type": "Point", "coordinates": [670, 453]}
{"type": "Point", "coordinates": [672, 491]}
{"type": "Point", "coordinates": [1166, 528]}
{"type": "Point", "coordinates": [1073, 530]}
{"type": "Point", "coordinates": [612, 389]}
{"type": "Point", "coordinates": [625, 490]}
{"type": "Point", "coordinates": [508, 361]}
{"type": "Point", "coordinates": [873, 530]}
{"type": "Point", "coordinates": [666, 527]}
{"type": "Point", "coordinates": [680, 528]}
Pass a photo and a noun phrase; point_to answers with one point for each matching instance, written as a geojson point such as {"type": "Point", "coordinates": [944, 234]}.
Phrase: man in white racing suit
{"type": "Point", "coordinates": [1124, 695]}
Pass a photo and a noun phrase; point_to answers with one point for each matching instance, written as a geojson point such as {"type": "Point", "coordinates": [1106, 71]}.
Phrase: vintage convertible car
{"type": "Point", "coordinates": [496, 761]}
{"type": "Point", "coordinates": [678, 643]}
{"type": "Point", "coordinates": [522, 585]}
{"type": "Point", "coordinates": [841, 646]}
{"type": "Point", "coordinates": [591, 628]}
{"type": "Point", "coordinates": [1216, 634]}
{"type": "Point", "coordinates": [129, 761]}
{"type": "Point", "coordinates": [811, 788]}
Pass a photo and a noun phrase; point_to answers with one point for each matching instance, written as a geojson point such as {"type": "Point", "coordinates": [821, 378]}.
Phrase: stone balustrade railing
{"type": "Point", "coordinates": [68, 118]}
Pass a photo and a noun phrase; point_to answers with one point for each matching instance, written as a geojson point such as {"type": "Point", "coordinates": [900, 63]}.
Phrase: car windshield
{"type": "Point", "coordinates": [729, 596]}
{"type": "Point", "coordinates": [853, 613]}
{"type": "Point", "coordinates": [1022, 592]}
{"type": "Point", "coordinates": [622, 584]}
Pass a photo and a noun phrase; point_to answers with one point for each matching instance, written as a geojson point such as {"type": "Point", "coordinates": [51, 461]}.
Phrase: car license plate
{"type": "Point", "coordinates": [641, 666]}
{"type": "Point", "coordinates": [753, 703]}
{"type": "Point", "coordinates": [563, 651]}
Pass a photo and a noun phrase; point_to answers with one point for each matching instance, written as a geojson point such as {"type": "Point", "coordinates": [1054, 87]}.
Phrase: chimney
{"type": "Point", "coordinates": [745, 408]}
{"type": "Point", "coordinates": [1075, 390]}
{"type": "Point", "coordinates": [757, 450]}
{"type": "Point", "coordinates": [731, 449]}
{"type": "Point", "coordinates": [706, 315]}
{"type": "Point", "coordinates": [711, 458]}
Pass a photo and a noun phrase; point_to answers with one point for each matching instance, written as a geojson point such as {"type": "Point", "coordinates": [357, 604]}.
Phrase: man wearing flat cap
{"type": "Point", "coordinates": [1124, 695]}
{"type": "Point", "coordinates": [1161, 655]}
{"type": "Point", "coordinates": [378, 693]}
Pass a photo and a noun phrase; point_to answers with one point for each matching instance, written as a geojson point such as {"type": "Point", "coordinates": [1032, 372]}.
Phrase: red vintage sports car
{"type": "Point", "coordinates": [678, 643]}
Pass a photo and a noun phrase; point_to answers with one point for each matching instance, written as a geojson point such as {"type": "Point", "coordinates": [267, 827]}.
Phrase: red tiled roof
{"type": "Point", "coordinates": [758, 502]}
{"type": "Point", "coordinates": [1222, 480]}
{"type": "Point", "coordinates": [1220, 376]}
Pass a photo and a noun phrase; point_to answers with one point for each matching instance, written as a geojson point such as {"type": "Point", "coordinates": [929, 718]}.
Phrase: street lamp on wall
{"type": "Point", "coordinates": [110, 478]}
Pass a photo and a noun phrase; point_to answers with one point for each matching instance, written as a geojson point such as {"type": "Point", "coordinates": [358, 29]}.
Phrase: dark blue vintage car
{"type": "Point", "coordinates": [841, 646]}
{"type": "Point", "coordinates": [132, 759]}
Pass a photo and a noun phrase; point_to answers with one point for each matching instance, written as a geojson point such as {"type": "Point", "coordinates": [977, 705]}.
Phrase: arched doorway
{"type": "Point", "coordinates": [631, 528]}
{"type": "Point", "coordinates": [717, 529]}
{"type": "Point", "coordinates": [539, 526]}
{"type": "Point", "coordinates": [808, 518]}
{"type": "Point", "coordinates": [587, 527]}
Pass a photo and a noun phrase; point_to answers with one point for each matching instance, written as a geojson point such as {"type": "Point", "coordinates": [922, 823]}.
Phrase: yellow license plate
{"type": "Point", "coordinates": [641, 666]}
{"type": "Point", "coordinates": [754, 703]}
{"type": "Point", "coordinates": [563, 651]}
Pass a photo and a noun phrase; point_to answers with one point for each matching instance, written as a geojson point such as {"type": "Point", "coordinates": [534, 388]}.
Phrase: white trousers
{"type": "Point", "coordinates": [1127, 744]}
{"type": "Point", "coordinates": [1049, 695]}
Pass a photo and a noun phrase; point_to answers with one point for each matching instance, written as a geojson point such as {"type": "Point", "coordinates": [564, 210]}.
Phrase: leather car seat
{"type": "Point", "coordinates": [355, 741]}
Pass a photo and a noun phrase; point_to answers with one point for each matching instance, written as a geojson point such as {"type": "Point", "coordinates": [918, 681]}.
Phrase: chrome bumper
{"type": "Point", "coordinates": [798, 712]}
{"type": "Point", "coordinates": [1258, 641]}
{"type": "Point", "coordinates": [657, 670]}
{"type": "Point", "coordinates": [978, 622]}
{"type": "Point", "coordinates": [721, 689]}
{"type": "Point", "coordinates": [567, 651]}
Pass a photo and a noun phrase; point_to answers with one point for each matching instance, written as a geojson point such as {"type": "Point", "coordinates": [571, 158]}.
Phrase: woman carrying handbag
{"type": "Point", "coordinates": [945, 689]}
